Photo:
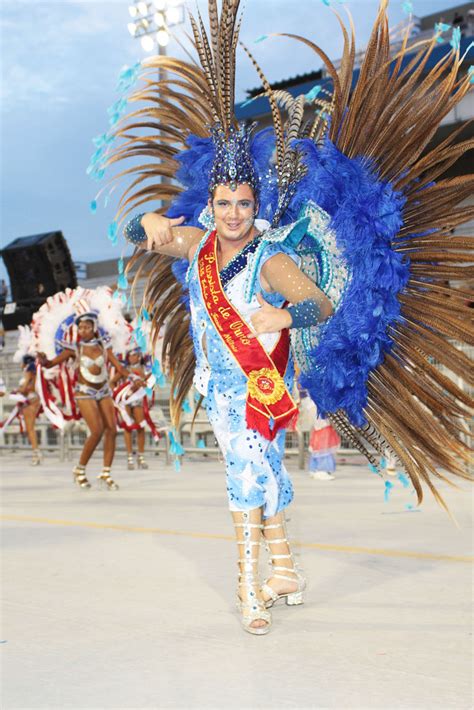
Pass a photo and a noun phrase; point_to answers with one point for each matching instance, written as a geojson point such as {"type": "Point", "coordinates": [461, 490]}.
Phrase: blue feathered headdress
{"type": "Point", "coordinates": [197, 171]}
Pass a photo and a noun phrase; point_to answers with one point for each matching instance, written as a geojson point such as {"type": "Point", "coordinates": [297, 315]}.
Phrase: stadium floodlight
{"type": "Point", "coordinates": [153, 20]}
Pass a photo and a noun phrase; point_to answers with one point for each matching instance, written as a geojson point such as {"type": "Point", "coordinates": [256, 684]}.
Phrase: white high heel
{"type": "Point", "coordinates": [130, 462]}
{"type": "Point", "coordinates": [79, 476]}
{"type": "Point", "coordinates": [106, 480]}
{"type": "Point", "coordinates": [295, 597]}
{"type": "Point", "coordinates": [142, 462]}
{"type": "Point", "coordinates": [36, 457]}
{"type": "Point", "coordinates": [252, 608]}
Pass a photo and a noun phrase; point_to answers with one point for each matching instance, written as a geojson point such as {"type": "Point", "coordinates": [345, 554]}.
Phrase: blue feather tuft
{"type": "Point", "coordinates": [366, 214]}
{"type": "Point", "coordinates": [387, 490]}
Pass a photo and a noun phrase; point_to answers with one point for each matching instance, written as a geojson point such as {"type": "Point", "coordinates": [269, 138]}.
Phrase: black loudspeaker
{"type": "Point", "coordinates": [12, 315]}
{"type": "Point", "coordinates": [39, 266]}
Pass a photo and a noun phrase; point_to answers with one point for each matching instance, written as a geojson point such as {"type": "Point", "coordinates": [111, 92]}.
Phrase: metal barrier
{"type": "Point", "coordinates": [72, 439]}
{"type": "Point", "coordinates": [197, 438]}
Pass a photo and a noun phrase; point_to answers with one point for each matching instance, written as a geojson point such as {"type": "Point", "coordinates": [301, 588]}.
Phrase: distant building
{"type": "Point", "coordinates": [422, 28]}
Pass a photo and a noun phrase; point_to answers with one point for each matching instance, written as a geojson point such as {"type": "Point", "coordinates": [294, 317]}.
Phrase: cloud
{"type": "Point", "coordinates": [21, 85]}
{"type": "Point", "coordinates": [60, 61]}
{"type": "Point", "coordinates": [60, 50]}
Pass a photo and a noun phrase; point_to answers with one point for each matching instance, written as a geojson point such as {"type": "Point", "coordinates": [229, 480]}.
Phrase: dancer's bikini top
{"type": "Point", "coordinates": [86, 362]}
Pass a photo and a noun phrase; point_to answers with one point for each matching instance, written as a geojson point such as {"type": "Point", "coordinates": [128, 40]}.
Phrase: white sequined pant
{"type": "Point", "coordinates": [256, 475]}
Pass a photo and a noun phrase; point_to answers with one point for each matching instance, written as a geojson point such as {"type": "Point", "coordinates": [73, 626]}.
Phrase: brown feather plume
{"type": "Point", "coordinates": [187, 98]}
{"type": "Point", "coordinates": [419, 402]}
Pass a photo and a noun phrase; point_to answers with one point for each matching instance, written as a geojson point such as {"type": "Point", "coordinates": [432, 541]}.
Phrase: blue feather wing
{"type": "Point", "coordinates": [346, 217]}
{"type": "Point", "coordinates": [365, 274]}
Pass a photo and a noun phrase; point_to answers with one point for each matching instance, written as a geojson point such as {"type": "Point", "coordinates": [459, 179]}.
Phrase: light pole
{"type": "Point", "coordinates": [152, 20]}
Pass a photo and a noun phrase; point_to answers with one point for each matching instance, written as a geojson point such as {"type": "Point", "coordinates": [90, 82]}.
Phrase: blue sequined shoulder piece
{"type": "Point", "coordinates": [288, 236]}
{"type": "Point", "coordinates": [312, 238]}
{"type": "Point", "coordinates": [239, 261]}
{"type": "Point", "coordinates": [235, 265]}
{"type": "Point", "coordinates": [322, 260]}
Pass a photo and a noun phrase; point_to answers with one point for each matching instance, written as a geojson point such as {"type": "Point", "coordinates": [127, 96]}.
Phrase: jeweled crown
{"type": "Point", "coordinates": [233, 164]}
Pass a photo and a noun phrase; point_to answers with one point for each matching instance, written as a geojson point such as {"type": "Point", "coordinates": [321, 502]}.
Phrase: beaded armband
{"type": "Point", "coordinates": [304, 314]}
{"type": "Point", "coordinates": [133, 230]}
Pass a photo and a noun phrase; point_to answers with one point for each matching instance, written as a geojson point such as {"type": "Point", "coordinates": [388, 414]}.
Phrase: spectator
{"type": "Point", "coordinates": [3, 292]}
{"type": "Point", "coordinates": [323, 444]}
{"type": "Point", "coordinates": [470, 22]}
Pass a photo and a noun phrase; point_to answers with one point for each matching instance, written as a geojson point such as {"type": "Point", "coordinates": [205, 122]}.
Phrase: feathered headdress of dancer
{"type": "Point", "coordinates": [356, 160]}
{"type": "Point", "coordinates": [24, 343]}
{"type": "Point", "coordinates": [54, 325]}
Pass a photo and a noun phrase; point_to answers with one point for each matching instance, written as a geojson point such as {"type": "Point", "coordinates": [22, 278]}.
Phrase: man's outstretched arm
{"type": "Point", "coordinates": [155, 232]}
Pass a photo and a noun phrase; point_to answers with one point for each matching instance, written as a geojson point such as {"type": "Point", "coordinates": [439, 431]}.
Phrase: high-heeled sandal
{"type": "Point", "coordinates": [105, 479]}
{"type": "Point", "coordinates": [295, 597]}
{"type": "Point", "coordinates": [130, 462]}
{"type": "Point", "coordinates": [142, 462]}
{"type": "Point", "coordinates": [36, 457]}
{"type": "Point", "coordinates": [252, 608]}
{"type": "Point", "coordinates": [79, 476]}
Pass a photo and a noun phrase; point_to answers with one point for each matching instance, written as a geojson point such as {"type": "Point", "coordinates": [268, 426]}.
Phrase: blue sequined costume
{"type": "Point", "coordinates": [256, 475]}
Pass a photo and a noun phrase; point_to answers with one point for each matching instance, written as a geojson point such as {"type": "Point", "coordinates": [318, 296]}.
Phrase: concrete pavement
{"type": "Point", "coordinates": [126, 599]}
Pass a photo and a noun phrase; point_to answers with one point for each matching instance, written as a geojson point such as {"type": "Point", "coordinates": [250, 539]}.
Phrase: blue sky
{"type": "Point", "coordinates": [59, 63]}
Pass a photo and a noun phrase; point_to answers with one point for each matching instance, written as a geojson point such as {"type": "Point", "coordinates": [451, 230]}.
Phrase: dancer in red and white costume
{"type": "Point", "coordinates": [84, 337]}
{"type": "Point", "coordinates": [27, 403]}
{"type": "Point", "coordinates": [131, 402]}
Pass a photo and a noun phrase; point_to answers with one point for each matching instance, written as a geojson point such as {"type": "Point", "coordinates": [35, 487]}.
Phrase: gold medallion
{"type": "Point", "coordinates": [266, 385]}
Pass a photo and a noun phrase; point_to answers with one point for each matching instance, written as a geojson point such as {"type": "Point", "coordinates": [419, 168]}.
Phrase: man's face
{"type": "Point", "coordinates": [85, 328]}
{"type": "Point", "coordinates": [234, 211]}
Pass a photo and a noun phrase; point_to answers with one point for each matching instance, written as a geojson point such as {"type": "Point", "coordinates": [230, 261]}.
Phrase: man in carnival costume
{"type": "Point", "coordinates": [342, 183]}
{"type": "Point", "coordinates": [244, 366]}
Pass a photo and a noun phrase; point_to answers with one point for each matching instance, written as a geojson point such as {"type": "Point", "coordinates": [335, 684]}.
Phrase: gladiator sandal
{"type": "Point", "coordinates": [130, 462]}
{"type": "Point", "coordinates": [36, 457]}
{"type": "Point", "coordinates": [282, 565]}
{"type": "Point", "coordinates": [249, 604]}
{"type": "Point", "coordinates": [106, 480]}
{"type": "Point", "coordinates": [141, 461]}
{"type": "Point", "coordinates": [79, 476]}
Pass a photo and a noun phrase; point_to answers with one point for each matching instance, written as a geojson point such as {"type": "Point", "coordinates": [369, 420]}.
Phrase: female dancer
{"type": "Point", "coordinates": [29, 405]}
{"type": "Point", "coordinates": [134, 409]}
{"type": "Point", "coordinates": [93, 395]}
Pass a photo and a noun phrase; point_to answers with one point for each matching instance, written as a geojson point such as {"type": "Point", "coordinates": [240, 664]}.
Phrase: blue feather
{"type": "Point", "coordinates": [366, 214]}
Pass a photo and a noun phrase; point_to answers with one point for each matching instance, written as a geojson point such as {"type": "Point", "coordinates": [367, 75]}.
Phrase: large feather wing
{"type": "Point", "coordinates": [391, 368]}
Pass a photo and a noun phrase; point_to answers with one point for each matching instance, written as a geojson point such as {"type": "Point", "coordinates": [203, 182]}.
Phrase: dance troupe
{"type": "Point", "coordinates": [325, 246]}
{"type": "Point", "coordinates": [80, 360]}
